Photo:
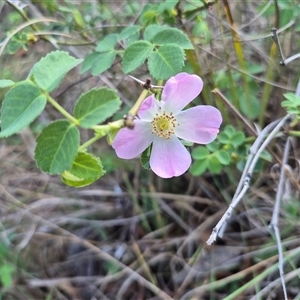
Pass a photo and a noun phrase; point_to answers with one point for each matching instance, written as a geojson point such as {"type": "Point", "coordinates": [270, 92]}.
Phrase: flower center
{"type": "Point", "coordinates": [163, 125]}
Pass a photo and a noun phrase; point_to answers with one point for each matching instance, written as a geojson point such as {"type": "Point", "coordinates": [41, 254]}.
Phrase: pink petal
{"type": "Point", "coordinates": [169, 158]}
{"type": "Point", "coordinates": [129, 143]}
{"type": "Point", "coordinates": [179, 91]}
{"type": "Point", "coordinates": [199, 124]}
{"type": "Point", "coordinates": [148, 109]}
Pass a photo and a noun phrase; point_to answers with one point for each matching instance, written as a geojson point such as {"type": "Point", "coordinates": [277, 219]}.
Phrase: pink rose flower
{"type": "Point", "coordinates": [163, 123]}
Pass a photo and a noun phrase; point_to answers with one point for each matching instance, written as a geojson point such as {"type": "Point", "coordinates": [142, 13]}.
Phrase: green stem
{"type": "Point", "coordinates": [61, 110]}
{"type": "Point", "coordinates": [294, 133]}
{"type": "Point", "coordinates": [134, 110]}
{"type": "Point", "coordinates": [101, 131]}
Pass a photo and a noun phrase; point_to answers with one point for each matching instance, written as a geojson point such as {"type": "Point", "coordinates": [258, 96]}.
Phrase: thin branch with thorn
{"type": "Point", "coordinates": [275, 39]}
{"type": "Point", "coordinates": [284, 61]}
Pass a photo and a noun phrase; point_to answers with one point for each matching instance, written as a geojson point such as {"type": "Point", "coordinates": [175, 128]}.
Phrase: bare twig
{"type": "Point", "coordinates": [276, 211]}
{"type": "Point", "coordinates": [291, 275]}
{"type": "Point", "coordinates": [245, 179]}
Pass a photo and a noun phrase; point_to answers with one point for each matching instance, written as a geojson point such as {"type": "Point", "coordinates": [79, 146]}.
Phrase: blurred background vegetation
{"type": "Point", "coordinates": [132, 235]}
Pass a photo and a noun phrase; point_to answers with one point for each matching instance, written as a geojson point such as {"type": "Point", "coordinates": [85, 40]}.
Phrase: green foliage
{"type": "Point", "coordinates": [85, 169]}
{"type": "Point", "coordinates": [21, 105]}
{"type": "Point", "coordinates": [58, 144]}
{"type": "Point", "coordinates": [162, 46]}
{"type": "Point", "coordinates": [292, 104]}
{"type": "Point", "coordinates": [135, 55]}
{"type": "Point", "coordinates": [57, 147]}
{"type": "Point", "coordinates": [7, 269]}
{"type": "Point", "coordinates": [18, 41]}
{"type": "Point", "coordinates": [6, 272]}
{"type": "Point", "coordinates": [102, 62]}
{"type": "Point", "coordinates": [50, 70]}
{"type": "Point", "coordinates": [128, 32]}
{"type": "Point", "coordinates": [4, 83]}
{"type": "Point", "coordinates": [172, 36]}
{"type": "Point", "coordinates": [228, 150]}
{"type": "Point", "coordinates": [108, 43]}
{"type": "Point", "coordinates": [151, 31]}
{"type": "Point", "coordinates": [145, 158]}
{"type": "Point", "coordinates": [96, 106]}
{"type": "Point", "coordinates": [89, 61]}
{"type": "Point", "coordinates": [167, 61]}
{"type": "Point", "coordinates": [249, 105]}
{"type": "Point", "coordinates": [168, 57]}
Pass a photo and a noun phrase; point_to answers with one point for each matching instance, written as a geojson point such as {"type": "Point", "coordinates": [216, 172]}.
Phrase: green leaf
{"type": "Point", "coordinates": [4, 83]}
{"type": "Point", "coordinates": [85, 170]}
{"type": "Point", "coordinates": [165, 62]}
{"type": "Point", "coordinates": [57, 147]}
{"type": "Point", "coordinates": [135, 55]}
{"type": "Point", "coordinates": [88, 62]}
{"type": "Point", "coordinates": [167, 5]}
{"type": "Point", "coordinates": [237, 139]}
{"type": "Point", "coordinates": [13, 47]}
{"type": "Point", "coordinates": [213, 165]}
{"type": "Point", "coordinates": [152, 30]}
{"type": "Point", "coordinates": [266, 156]}
{"type": "Point", "coordinates": [223, 138]}
{"type": "Point", "coordinates": [108, 43]}
{"type": "Point", "coordinates": [212, 147]}
{"type": "Point", "coordinates": [292, 100]}
{"type": "Point", "coordinates": [78, 18]}
{"type": "Point", "coordinates": [51, 69]}
{"type": "Point", "coordinates": [293, 110]}
{"type": "Point", "coordinates": [200, 153]}
{"type": "Point", "coordinates": [96, 106]}
{"type": "Point", "coordinates": [291, 97]}
{"type": "Point", "coordinates": [285, 103]}
{"type": "Point", "coordinates": [250, 109]}
{"type": "Point", "coordinates": [145, 158]}
{"type": "Point", "coordinates": [198, 167]}
{"type": "Point", "coordinates": [173, 36]}
{"type": "Point", "coordinates": [202, 30]}
{"type": "Point", "coordinates": [6, 273]}
{"type": "Point", "coordinates": [148, 14]}
{"type": "Point", "coordinates": [223, 157]}
{"type": "Point", "coordinates": [21, 105]}
{"type": "Point", "coordinates": [103, 62]}
{"type": "Point", "coordinates": [133, 38]}
{"type": "Point", "coordinates": [128, 32]}
{"type": "Point", "coordinates": [229, 130]}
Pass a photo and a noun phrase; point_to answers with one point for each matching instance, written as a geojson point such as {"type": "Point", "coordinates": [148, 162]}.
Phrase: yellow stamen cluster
{"type": "Point", "coordinates": [163, 125]}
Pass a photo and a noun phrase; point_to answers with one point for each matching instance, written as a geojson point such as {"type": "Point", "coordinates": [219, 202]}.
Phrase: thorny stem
{"type": "Point", "coordinates": [275, 39]}
{"type": "Point", "coordinates": [284, 61]}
